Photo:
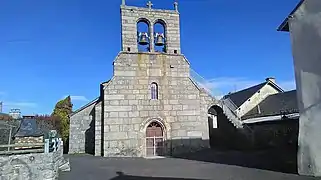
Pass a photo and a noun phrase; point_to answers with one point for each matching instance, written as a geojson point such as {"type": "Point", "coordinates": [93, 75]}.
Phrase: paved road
{"type": "Point", "coordinates": [86, 167]}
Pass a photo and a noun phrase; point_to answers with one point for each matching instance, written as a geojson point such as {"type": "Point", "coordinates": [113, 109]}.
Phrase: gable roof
{"type": "Point", "coordinates": [285, 24]}
{"type": "Point", "coordinates": [240, 97]}
{"type": "Point", "coordinates": [276, 104]}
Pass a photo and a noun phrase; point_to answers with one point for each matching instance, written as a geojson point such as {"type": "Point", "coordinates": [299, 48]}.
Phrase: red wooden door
{"type": "Point", "coordinates": [154, 140]}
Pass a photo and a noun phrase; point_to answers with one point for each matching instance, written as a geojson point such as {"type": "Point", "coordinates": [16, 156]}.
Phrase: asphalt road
{"type": "Point", "coordinates": [86, 167]}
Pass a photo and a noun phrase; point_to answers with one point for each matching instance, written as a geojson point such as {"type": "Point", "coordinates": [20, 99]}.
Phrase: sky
{"type": "Point", "coordinates": [54, 48]}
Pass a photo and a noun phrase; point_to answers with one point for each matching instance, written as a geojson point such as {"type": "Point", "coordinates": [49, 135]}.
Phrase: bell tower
{"type": "Point", "coordinates": [152, 39]}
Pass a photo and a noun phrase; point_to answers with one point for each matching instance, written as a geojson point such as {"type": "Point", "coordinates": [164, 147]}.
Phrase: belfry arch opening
{"type": "Point", "coordinates": [160, 36]}
{"type": "Point", "coordinates": [143, 35]}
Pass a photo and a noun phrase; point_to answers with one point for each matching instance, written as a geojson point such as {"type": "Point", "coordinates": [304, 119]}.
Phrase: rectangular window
{"type": "Point", "coordinates": [154, 91]}
{"type": "Point", "coordinates": [214, 118]}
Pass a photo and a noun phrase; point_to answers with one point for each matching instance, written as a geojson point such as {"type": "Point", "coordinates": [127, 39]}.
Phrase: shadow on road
{"type": "Point", "coordinates": [122, 176]}
{"type": "Point", "coordinates": [280, 160]}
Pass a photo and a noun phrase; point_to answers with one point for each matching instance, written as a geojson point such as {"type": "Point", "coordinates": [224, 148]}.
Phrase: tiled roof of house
{"type": "Point", "coordinates": [240, 97]}
{"type": "Point", "coordinates": [276, 104]}
{"type": "Point", "coordinates": [4, 116]}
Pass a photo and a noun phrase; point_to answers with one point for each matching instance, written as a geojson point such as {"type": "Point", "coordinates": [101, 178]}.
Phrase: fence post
{"type": "Point", "coordinates": [9, 140]}
{"type": "Point", "coordinates": [60, 143]}
{"type": "Point", "coordinates": [46, 145]}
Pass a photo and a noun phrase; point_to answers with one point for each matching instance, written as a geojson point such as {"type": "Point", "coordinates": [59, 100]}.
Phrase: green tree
{"type": "Point", "coordinates": [62, 111]}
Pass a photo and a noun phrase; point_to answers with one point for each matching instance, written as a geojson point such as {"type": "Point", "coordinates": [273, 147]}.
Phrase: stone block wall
{"type": "Point", "coordinates": [28, 140]}
{"type": "Point", "coordinates": [82, 130]}
{"type": "Point", "coordinates": [130, 16]}
{"type": "Point", "coordinates": [98, 128]}
{"type": "Point", "coordinates": [35, 166]}
{"type": "Point", "coordinates": [128, 109]}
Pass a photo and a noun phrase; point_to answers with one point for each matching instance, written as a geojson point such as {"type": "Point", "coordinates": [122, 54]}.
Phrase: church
{"type": "Point", "coordinates": [151, 106]}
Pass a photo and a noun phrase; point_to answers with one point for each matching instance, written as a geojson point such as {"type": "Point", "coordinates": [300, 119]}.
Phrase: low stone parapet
{"type": "Point", "coordinates": [33, 166]}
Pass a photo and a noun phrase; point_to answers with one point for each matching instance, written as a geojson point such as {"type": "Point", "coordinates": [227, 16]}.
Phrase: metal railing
{"type": "Point", "coordinates": [203, 83]}
{"type": "Point", "coordinates": [231, 115]}
{"type": "Point", "coordinates": [227, 105]}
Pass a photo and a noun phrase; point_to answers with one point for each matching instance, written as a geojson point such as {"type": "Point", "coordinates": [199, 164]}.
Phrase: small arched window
{"type": "Point", "coordinates": [154, 90]}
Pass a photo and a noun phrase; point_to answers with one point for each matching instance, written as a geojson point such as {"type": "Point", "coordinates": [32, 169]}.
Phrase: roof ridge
{"type": "Point", "coordinates": [247, 88]}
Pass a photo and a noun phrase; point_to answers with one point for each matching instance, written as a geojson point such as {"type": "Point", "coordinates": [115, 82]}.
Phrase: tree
{"type": "Point", "coordinates": [48, 122]}
{"type": "Point", "coordinates": [62, 111]}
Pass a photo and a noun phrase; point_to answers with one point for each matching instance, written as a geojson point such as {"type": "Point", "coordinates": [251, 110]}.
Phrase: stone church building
{"type": "Point", "coordinates": [151, 106]}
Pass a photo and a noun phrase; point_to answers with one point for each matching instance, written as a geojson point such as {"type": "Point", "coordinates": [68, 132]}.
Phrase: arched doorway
{"type": "Point", "coordinates": [154, 139]}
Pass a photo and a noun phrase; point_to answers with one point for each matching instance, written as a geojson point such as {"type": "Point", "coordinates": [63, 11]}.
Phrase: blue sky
{"type": "Point", "coordinates": [50, 49]}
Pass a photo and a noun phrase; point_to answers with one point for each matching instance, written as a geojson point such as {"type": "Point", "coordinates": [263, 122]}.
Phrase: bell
{"type": "Point", "coordinates": [159, 40]}
{"type": "Point", "coordinates": [143, 39]}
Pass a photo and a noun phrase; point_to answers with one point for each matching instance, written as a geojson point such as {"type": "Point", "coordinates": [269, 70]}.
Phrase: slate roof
{"type": "Point", "coordinates": [240, 97]}
{"type": "Point", "coordinates": [28, 127]}
{"type": "Point", "coordinates": [276, 104]}
{"type": "Point", "coordinates": [285, 25]}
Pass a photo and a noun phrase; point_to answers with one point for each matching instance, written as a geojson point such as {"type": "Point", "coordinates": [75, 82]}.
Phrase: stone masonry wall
{"type": "Point", "coordinates": [35, 166]}
{"type": "Point", "coordinates": [98, 128]}
{"type": "Point", "coordinates": [130, 16]}
{"type": "Point", "coordinates": [28, 140]}
{"type": "Point", "coordinates": [128, 109]}
{"type": "Point", "coordinates": [82, 131]}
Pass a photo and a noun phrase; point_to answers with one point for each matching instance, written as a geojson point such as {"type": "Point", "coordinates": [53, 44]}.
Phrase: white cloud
{"type": "Point", "coordinates": [77, 98]}
{"type": "Point", "coordinates": [223, 85]}
{"type": "Point", "coordinates": [287, 85]}
{"type": "Point", "coordinates": [232, 83]}
{"type": "Point", "coordinates": [20, 104]}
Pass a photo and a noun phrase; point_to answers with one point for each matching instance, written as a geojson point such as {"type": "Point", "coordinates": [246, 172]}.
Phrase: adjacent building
{"type": "Point", "coordinates": [303, 24]}
{"type": "Point", "coordinates": [268, 116]}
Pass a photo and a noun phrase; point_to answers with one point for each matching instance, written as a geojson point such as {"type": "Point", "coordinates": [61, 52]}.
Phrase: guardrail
{"type": "Point", "coordinates": [50, 145]}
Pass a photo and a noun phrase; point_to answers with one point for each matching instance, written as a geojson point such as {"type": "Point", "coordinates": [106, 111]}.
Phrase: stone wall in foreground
{"type": "Point", "coordinates": [34, 166]}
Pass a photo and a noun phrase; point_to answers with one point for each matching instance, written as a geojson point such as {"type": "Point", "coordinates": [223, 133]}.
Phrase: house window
{"type": "Point", "coordinates": [154, 90]}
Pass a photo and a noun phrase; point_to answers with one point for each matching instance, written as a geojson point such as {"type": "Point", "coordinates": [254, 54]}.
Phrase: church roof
{"type": "Point", "coordinates": [85, 106]}
{"type": "Point", "coordinates": [276, 104]}
{"type": "Point", "coordinates": [285, 25]}
{"type": "Point", "coordinates": [90, 103]}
